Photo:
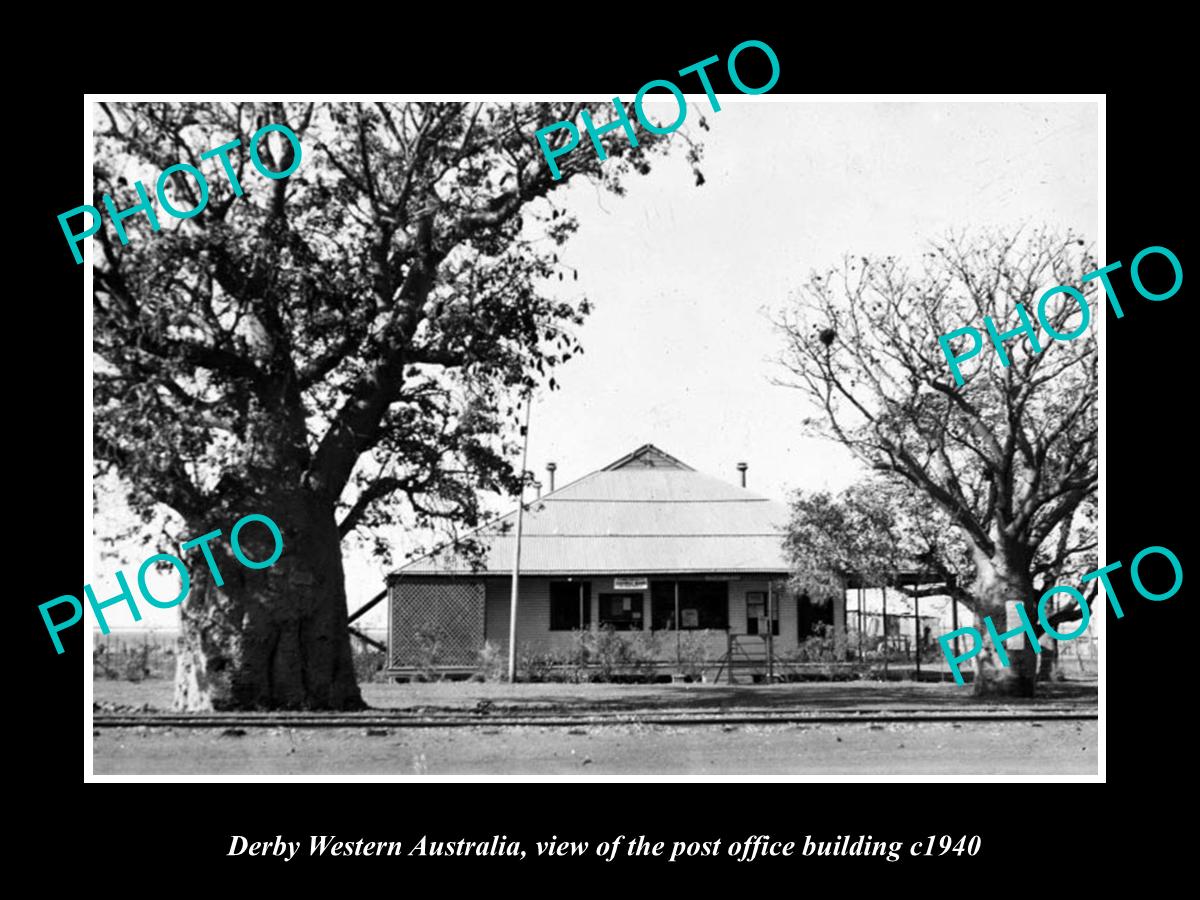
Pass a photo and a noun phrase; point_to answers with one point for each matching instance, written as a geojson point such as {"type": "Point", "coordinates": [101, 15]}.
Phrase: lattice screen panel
{"type": "Point", "coordinates": [437, 622]}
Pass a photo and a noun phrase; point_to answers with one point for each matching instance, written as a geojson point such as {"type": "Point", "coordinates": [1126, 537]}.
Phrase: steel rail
{"type": "Point", "coordinates": [489, 712]}
{"type": "Point", "coordinates": [556, 719]}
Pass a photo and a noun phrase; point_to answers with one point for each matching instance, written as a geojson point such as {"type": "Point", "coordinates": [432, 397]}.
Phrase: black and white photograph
{"type": "Point", "coordinates": [737, 437]}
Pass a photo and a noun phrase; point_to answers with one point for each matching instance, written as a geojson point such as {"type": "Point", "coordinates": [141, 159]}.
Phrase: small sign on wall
{"type": "Point", "coordinates": [630, 584]}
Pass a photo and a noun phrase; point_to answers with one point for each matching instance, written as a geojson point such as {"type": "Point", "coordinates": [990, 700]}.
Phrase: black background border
{"type": "Point", "coordinates": [1148, 393]}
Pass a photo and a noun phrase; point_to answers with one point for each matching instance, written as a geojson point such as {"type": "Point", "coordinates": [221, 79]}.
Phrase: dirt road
{"type": "Point", "coordinates": [1005, 748]}
{"type": "Point", "coordinates": [627, 750]}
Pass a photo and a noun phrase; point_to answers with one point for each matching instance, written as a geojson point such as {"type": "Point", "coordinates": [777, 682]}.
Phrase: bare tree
{"type": "Point", "coordinates": [1010, 456]}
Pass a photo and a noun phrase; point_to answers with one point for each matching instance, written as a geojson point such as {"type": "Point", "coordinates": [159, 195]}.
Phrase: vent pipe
{"type": "Point", "coordinates": [742, 467]}
{"type": "Point", "coordinates": [538, 485]}
{"type": "Point", "coordinates": [551, 467]}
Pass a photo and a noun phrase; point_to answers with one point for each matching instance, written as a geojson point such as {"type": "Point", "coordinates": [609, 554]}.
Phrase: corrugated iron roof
{"type": "Point", "coordinates": [636, 516]}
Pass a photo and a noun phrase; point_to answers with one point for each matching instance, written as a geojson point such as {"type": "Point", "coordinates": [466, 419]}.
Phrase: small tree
{"type": "Point", "coordinates": [1009, 456]}
{"type": "Point", "coordinates": [834, 538]}
{"type": "Point", "coordinates": [859, 534]}
{"type": "Point", "coordinates": [876, 528]}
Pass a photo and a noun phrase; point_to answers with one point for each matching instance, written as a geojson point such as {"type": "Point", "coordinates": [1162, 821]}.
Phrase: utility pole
{"type": "Point", "coordinates": [516, 572]}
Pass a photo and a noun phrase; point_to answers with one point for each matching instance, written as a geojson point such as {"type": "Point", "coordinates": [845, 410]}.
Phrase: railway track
{"type": "Point", "coordinates": [507, 718]}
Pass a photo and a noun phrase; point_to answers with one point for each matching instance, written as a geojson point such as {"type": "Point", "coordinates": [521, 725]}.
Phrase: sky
{"type": "Point", "coordinates": [679, 350]}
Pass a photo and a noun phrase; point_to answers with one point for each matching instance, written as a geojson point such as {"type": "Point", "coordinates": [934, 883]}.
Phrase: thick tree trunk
{"type": "Point", "coordinates": [274, 638]}
{"type": "Point", "coordinates": [1004, 580]}
{"type": "Point", "coordinates": [1048, 667]}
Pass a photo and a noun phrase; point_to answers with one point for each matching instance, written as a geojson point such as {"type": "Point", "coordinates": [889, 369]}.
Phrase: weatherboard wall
{"type": "Point", "coordinates": [533, 617]}
{"type": "Point", "coordinates": [533, 623]}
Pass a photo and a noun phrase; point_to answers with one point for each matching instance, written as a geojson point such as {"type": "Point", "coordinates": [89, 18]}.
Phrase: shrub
{"type": "Point", "coordinates": [819, 646]}
{"type": "Point", "coordinates": [693, 653]}
{"type": "Point", "coordinates": [490, 663]}
{"type": "Point", "coordinates": [609, 653]}
{"type": "Point", "coordinates": [601, 655]}
{"type": "Point", "coordinates": [870, 644]}
{"type": "Point", "coordinates": [428, 641]}
{"type": "Point", "coordinates": [537, 665]}
{"type": "Point", "coordinates": [603, 649]}
{"type": "Point", "coordinates": [642, 655]}
{"type": "Point", "coordinates": [118, 661]}
{"type": "Point", "coordinates": [369, 665]}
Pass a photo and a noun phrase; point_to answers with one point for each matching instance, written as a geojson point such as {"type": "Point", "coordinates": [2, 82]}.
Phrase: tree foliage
{"type": "Point", "coordinates": [992, 484]}
{"type": "Point", "coordinates": [871, 530]}
{"type": "Point", "coordinates": [361, 330]}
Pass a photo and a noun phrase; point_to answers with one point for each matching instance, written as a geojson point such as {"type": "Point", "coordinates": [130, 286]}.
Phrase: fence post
{"type": "Point", "coordinates": [917, 629]}
{"type": "Point", "coordinates": [885, 634]}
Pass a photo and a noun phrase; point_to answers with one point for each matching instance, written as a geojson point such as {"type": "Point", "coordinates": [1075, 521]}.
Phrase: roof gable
{"type": "Point", "coordinates": [647, 456]}
{"type": "Point", "coordinates": [647, 512]}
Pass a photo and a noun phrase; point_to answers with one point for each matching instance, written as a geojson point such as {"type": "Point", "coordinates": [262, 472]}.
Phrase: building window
{"type": "Point", "coordinates": [756, 613]}
{"type": "Point", "coordinates": [622, 612]}
{"type": "Point", "coordinates": [570, 605]}
{"type": "Point", "coordinates": [702, 604]}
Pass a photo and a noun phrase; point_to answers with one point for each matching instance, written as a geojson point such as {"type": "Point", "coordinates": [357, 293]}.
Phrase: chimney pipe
{"type": "Point", "coordinates": [551, 467]}
{"type": "Point", "coordinates": [538, 485]}
{"type": "Point", "coordinates": [742, 467]}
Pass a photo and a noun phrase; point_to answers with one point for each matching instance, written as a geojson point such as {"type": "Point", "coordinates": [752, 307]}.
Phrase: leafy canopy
{"type": "Point", "coordinates": [362, 329]}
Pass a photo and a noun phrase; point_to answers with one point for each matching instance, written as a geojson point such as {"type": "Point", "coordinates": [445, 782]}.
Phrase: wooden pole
{"type": "Point", "coordinates": [516, 572]}
{"type": "Point", "coordinates": [858, 603]}
{"type": "Point", "coordinates": [885, 634]}
{"type": "Point", "coordinates": [678, 651]}
{"type": "Point", "coordinates": [954, 621]}
{"type": "Point", "coordinates": [368, 605]}
{"type": "Point", "coordinates": [729, 652]}
{"type": "Point", "coordinates": [859, 599]}
{"type": "Point", "coordinates": [770, 632]}
{"type": "Point", "coordinates": [917, 629]}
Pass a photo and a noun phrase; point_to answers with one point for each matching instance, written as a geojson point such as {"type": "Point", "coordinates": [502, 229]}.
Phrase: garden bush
{"type": "Point", "coordinates": [490, 663]}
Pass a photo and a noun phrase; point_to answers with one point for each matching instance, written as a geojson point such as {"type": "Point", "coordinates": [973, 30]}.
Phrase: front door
{"type": "Point", "coordinates": [756, 614]}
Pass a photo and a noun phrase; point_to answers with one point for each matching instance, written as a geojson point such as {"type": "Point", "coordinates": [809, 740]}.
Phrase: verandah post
{"type": "Point", "coordinates": [917, 628]}
{"type": "Point", "coordinates": [885, 634]}
{"type": "Point", "coordinates": [678, 652]}
{"type": "Point", "coordinates": [770, 632]}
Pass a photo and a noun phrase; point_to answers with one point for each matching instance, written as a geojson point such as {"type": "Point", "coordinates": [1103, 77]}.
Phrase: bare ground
{"type": "Point", "coordinates": [157, 693]}
{"type": "Point", "coordinates": [934, 749]}
{"type": "Point", "coordinates": [929, 749]}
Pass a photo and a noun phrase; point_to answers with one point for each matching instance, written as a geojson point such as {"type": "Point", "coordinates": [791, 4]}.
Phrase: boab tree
{"type": "Point", "coordinates": [332, 349]}
{"type": "Point", "coordinates": [1011, 455]}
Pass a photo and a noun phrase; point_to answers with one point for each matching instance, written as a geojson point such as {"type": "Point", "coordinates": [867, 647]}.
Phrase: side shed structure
{"type": "Point", "coordinates": [645, 544]}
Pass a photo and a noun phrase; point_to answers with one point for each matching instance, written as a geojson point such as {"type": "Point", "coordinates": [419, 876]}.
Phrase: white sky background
{"type": "Point", "coordinates": [678, 349]}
